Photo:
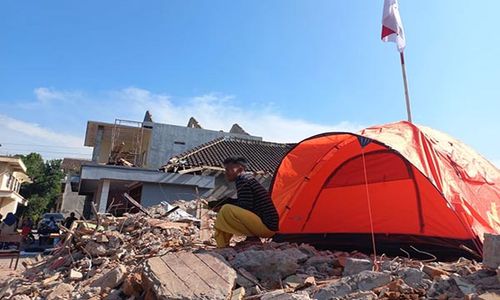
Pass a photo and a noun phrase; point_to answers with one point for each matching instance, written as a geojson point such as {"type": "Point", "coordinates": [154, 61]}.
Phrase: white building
{"type": "Point", "coordinates": [12, 175]}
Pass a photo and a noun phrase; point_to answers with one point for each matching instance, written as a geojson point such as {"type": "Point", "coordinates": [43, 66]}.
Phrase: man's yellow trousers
{"type": "Point", "coordinates": [232, 220]}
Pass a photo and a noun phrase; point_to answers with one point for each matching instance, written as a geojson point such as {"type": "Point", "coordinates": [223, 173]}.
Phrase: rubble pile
{"type": "Point", "coordinates": [289, 271]}
{"type": "Point", "coordinates": [98, 256]}
{"type": "Point", "coordinates": [150, 256]}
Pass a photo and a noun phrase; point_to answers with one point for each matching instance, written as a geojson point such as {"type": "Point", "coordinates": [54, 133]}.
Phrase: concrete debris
{"type": "Point", "coordinates": [294, 281]}
{"type": "Point", "coordinates": [282, 295]}
{"type": "Point", "coordinates": [246, 279]}
{"type": "Point", "coordinates": [434, 272]}
{"type": "Point", "coordinates": [20, 297]}
{"type": "Point", "coordinates": [47, 281]}
{"type": "Point", "coordinates": [102, 238]}
{"type": "Point", "coordinates": [364, 281]}
{"type": "Point", "coordinates": [60, 291]}
{"type": "Point", "coordinates": [111, 279]}
{"type": "Point", "coordinates": [114, 295]}
{"type": "Point", "coordinates": [491, 251]}
{"type": "Point", "coordinates": [180, 214]}
{"type": "Point", "coordinates": [444, 286]}
{"type": "Point", "coordinates": [161, 255]}
{"type": "Point", "coordinates": [270, 266]}
{"type": "Point", "coordinates": [75, 275]}
{"type": "Point", "coordinates": [412, 276]}
{"type": "Point", "coordinates": [95, 249]}
{"type": "Point", "coordinates": [238, 294]}
{"type": "Point", "coordinates": [489, 296]}
{"type": "Point", "coordinates": [184, 274]}
{"type": "Point", "coordinates": [354, 266]}
{"type": "Point", "coordinates": [369, 295]}
{"type": "Point", "coordinates": [132, 285]}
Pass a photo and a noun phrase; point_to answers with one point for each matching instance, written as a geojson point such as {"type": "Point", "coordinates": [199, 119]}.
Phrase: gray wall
{"type": "Point", "coordinates": [163, 146]}
{"type": "Point", "coordinates": [71, 201]}
{"type": "Point", "coordinates": [154, 193]}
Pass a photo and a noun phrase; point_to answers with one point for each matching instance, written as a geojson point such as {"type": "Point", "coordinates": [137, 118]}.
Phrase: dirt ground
{"type": "Point", "coordinates": [6, 272]}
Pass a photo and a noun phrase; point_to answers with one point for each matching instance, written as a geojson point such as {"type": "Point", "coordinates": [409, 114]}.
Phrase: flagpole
{"type": "Point", "coordinates": [405, 81]}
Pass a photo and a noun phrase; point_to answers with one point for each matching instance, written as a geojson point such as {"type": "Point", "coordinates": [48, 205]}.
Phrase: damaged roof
{"type": "Point", "coordinates": [73, 164]}
{"type": "Point", "coordinates": [261, 156]}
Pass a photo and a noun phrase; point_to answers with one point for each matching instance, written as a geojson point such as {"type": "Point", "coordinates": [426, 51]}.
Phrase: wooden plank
{"type": "Point", "coordinates": [218, 266]}
{"type": "Point", "coordinates": [198, 286]}
{"type": "Point", "coordinates": [167, 224]}
{"type": "Point", "coordinates": [216, 281]}
{"type": "Point", "coordinates": [205, 231]}
{"type": "Point", "coordinates": [163, 276]}
{"type": "Point", "coordinates": [186, 171]}
{"type": "Point", "coordinates": [136, 204]}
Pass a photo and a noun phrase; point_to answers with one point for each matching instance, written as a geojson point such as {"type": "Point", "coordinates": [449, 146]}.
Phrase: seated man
{"type": "Point", "coordinates": [251, 214]}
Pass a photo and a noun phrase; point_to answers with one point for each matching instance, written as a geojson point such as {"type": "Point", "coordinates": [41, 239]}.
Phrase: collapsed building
{"type": "Point", "coordinates": [154, 162]}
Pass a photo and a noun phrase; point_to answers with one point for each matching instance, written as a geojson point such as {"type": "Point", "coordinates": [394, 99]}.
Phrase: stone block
{"type": "Point", "coordinates": [364, 281]}
{"type": "Point", "coordinates": [269, 265]}
{"type": "Point", "coordinates": [354, 266]}
{"type": "Point", "coordinates": [491, 250]}
{"type": "Point", "coordinates": [132, 285]}
{"type": "Point", "coordinates": [111, 279]}
{"type": "Point", "coordinates": [60, 291]}
{"type": "Point", "coordinates": [238, 294]}
{"type": "Point", "coordinates": [187, 275]}
{"type": "Point", "coordinates": [75, 275]}
{"type": "Point", "coordinates": [411, 276]}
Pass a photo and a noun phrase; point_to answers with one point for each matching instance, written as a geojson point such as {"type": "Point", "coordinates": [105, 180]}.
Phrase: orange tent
{"type": "Point", "coordinates": [401, 184]}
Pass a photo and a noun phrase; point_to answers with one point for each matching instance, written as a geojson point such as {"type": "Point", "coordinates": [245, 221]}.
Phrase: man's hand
{"type": "Point", "coordinates": [215, 205]}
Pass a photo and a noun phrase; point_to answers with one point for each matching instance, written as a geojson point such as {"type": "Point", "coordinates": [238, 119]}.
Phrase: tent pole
{"type": "Point", "coordinates": [405, 81]}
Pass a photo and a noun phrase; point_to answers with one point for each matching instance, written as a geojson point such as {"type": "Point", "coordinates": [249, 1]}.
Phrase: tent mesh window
{"type": "Point", "coordinates": [381, 166]}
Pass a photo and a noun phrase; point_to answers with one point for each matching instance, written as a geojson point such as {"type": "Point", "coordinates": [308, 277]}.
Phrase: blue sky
{"type": "Point", "coordinates": [281, 69]}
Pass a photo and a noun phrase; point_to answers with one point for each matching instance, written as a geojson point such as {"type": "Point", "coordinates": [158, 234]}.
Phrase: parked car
{"type": "Point", "coordinates": [44, 222]}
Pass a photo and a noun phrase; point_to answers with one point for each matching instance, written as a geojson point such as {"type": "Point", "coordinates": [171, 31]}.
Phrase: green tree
{"type": "Point", "coordinates": [43, 192]}
{"type": "Point", "coordinates": [36, 207]}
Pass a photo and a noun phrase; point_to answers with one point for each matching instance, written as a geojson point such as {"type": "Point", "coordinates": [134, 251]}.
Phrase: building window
{"type": "Point", "coordinates": [9, 182]}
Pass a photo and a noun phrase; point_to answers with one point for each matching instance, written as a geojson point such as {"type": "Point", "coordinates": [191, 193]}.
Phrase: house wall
{"type": "Point", "coordinates": [71, 201]}
{"type": "Point", "coordinates": [103, 150]}
{"type": "Point", "coordinates": [7, 205]}
{"type": "Point", "coordinates": [168, 140]}
{"type": "Point", "coordinates": [154, 193]}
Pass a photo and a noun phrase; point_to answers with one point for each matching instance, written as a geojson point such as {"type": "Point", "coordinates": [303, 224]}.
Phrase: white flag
{"type": "Point", "coordinates": [392, 27]}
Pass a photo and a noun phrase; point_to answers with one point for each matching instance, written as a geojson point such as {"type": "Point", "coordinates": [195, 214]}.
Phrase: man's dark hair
{"type": "Point", "coordinates": [239, 160]}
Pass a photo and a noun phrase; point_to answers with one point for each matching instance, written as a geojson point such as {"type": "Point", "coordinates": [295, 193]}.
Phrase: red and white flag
{"type": "Point", "coordinates": [392, 27]}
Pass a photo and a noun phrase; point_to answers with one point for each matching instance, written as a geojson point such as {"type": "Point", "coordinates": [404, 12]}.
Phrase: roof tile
{"type": "Point", "coordinates": [261, 156]}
